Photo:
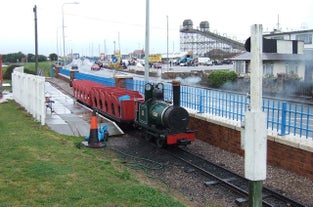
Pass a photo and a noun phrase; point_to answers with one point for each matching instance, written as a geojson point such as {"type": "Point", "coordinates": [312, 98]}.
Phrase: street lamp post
{"type": "Point", "coordinates": [58, 48]}
{"type": "Point", "coordinates": [147, 40]}
{"type": "Point", "coordinates": [167, 42]}
{"type": "Point", "coordinates": [63, 27]}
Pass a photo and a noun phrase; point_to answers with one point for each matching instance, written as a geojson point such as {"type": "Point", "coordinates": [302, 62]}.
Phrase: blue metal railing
{"type": "Point", "coordinates": [283, 117]}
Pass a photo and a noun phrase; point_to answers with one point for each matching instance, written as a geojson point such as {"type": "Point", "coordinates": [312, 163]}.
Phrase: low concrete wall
{"type": "Point", "coordinates": [65, 78]}
{"type": "Point", "coordinates": [290, 154]}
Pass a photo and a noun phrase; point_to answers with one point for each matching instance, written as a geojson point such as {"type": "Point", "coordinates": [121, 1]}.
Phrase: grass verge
{"type": "Point", "coordinates": [41, 168]}
{"type": "Point", "coordinates": [45, 66]}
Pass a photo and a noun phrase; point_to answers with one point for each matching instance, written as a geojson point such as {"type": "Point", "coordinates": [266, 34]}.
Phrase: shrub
{"type": "Point", "coordinates": [218, 78]}
{"type": "Point", "coordinates": [29, 71]}
{"type": "Point", "coordinates": [8, 72]}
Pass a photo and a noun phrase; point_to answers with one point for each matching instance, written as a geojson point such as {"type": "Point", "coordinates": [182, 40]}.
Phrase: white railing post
{"type": "Point", "coordinates": [29, 92]}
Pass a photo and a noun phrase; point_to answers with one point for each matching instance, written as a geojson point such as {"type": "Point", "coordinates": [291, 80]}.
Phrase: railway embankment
{"type": "Point", "coordinates": [287, 152]}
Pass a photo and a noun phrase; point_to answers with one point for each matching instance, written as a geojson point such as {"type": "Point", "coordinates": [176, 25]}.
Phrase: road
{"type": "Point", "coordinates": [85, 67]}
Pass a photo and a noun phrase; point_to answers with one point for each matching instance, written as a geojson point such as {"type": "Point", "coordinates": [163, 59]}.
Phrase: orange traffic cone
{"type": "Point", "coordinates": [93, 136]}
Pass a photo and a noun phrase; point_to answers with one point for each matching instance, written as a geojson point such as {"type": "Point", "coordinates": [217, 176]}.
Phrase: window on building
{"type": "Point", "coordinates": [240, 67]}
{"type": "Point", "coordinates": [278, 37]}
{"type": "Point", "coordinates": [292, 68]}
{"type": "Point", "coordinates": [268, 69]}
{"type": "Point", "coordinates": [306, 38]}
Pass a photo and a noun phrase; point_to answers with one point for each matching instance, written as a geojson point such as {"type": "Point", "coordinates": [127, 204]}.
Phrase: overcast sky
{"type": "Point", "coordinates": [92, 26]}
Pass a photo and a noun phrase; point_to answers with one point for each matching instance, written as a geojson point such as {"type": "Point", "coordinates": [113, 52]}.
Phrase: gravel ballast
{"type": "Point", "coordinates": [191, 185]}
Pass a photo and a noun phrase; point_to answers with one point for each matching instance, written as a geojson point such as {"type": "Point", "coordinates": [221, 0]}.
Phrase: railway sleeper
{"type": "Point", "coordinates": [229, 179]}
{"type": "Point", "coordinates": [214, 182]}
{"type": "Point", "coordinates": [266, 195]}
{"type": "Point", "coordinates": [211, 182]}
{"type": "Point", "coordinates": [241, 202]}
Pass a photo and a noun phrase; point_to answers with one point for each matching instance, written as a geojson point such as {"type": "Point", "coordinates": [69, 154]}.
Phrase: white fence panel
{"type": "Point", "coordinates": [29, 92]}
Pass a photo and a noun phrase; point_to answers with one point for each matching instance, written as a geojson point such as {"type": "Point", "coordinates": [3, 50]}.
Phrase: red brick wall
{"type": "Point", "coordinates": [290, 158]}
{"type": "Point", "coordinates": [287, 157]}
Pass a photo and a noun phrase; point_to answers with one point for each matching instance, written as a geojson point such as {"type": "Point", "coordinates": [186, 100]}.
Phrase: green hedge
{"type": "Point", "coordinates": [7, 75]}
{"type": "Point", "coordinates": [218, 78]}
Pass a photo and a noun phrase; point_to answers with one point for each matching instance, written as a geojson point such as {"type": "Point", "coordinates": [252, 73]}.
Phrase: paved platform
{"type": "Point", "coordinates": [71, 118]}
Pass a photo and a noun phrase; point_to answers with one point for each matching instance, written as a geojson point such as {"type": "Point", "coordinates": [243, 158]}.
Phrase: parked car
{"type": "Point", "coordinates": [208, 63]}
{"type": "Point", "coordinates": [226, 61]}
{"type": "Point", "coordinates": [95, 66]}
{"type": "Point", "coordinates": [183, 64]}
{"type": "Point", "coordinates": [157, 65]}
{"type": "Point", "coordinates": [74, 67]}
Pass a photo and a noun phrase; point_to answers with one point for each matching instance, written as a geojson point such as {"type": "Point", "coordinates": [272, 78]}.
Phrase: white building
{"type": "Point", "coordinates": [286, 58]}
{"type": "Point", "coordinates": [306, 36]}
{"type": "Point", "coordinates": [303, 35]}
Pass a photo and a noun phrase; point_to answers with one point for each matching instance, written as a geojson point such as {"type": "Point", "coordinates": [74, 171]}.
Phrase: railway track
{"type": "Point", "coordinates": [217, 175]}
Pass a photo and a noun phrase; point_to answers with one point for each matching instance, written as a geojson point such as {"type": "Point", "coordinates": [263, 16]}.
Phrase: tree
{"type": "Point", "coordinates": [53, 57]}
{"type": "Point", "coordinates": [13, 57]}
{"type": "Point", "coordinates": [42, 58]}
{"type": "Point", "coordinates": [30, 57]}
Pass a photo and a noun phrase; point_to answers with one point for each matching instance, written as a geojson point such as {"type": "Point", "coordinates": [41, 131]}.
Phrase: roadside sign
{"type": "Point", "coordinates": [156, 58]}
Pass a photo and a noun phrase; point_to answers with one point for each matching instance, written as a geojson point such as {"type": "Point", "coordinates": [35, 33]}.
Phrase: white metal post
{"type": "Point", "coordinates": [255, 144]}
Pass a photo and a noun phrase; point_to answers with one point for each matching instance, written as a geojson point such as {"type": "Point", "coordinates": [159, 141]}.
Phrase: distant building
{"type": "Point", "coordinates": [302, 35]}
{"type": "Point", "coordinates": [75, 56]}
{"type": "Point", "coordinates": [306, 36]}
{"type": "Point", "coordinates": [139, 54]}
{"type": "Point", "coordinates": [289, 59]}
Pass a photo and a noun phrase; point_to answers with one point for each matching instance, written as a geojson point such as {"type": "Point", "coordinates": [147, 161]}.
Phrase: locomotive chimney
{"type": "Point", "coordinates": [176, 93]}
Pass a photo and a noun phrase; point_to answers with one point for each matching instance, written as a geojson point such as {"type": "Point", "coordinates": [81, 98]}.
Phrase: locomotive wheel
{"type": "Point", "coordinates": [147, 136]}
{"type": "Point", "coordinates": [160, 142]}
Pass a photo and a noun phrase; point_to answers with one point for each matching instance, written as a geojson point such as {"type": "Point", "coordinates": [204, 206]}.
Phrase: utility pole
{"type": "Point", "coordinates": [36, 39]}
{"type": "Point", "coordinates": [105, 47]}
{"type": "Point", "coordinates": [119, 44]}
{"type": "Point", "coordinates": [167, 42]}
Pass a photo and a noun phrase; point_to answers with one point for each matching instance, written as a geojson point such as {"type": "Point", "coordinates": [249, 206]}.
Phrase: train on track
{"type": "Point", "coordinates": [164, 122]}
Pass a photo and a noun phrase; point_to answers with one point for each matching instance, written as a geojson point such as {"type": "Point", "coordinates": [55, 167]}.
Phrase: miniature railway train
{"type": "Point", "coordinates": [159, 120]}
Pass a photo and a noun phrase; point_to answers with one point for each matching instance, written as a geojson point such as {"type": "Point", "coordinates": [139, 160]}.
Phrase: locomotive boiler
{"type": "Point", "coordinates": [165, 122]}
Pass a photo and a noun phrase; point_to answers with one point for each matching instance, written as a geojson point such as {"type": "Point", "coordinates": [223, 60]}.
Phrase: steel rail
{"type": "Point", "coordinates": [270, 197]}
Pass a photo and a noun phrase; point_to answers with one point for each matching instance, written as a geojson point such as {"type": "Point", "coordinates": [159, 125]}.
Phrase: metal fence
{"type": "Point", "coordinates": [282, 116]}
